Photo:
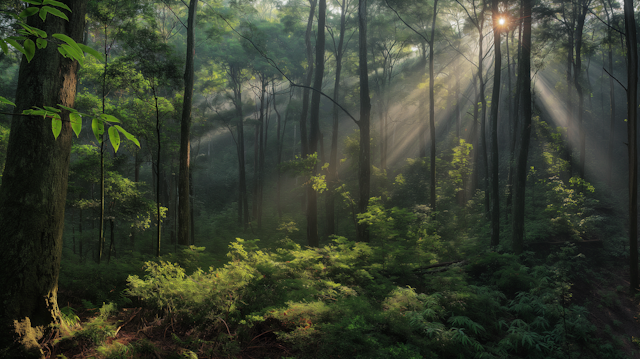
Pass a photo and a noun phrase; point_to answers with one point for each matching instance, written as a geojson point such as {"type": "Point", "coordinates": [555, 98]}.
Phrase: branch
{"type": "Point", "coordinates": [174, 14]}
{"type": "Point", "coordinates": [613, 77]}
{"type": "Point", "coordinates": [407, 25]}
{"type": "Point", "coordinates": [291, 83]}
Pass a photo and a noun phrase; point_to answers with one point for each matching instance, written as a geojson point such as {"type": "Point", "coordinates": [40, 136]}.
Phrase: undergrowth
{"type": "Point", "coordinates": [362, 301]}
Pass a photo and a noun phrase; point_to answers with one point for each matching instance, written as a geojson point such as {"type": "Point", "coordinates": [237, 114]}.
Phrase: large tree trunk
{"type": "Point", "coordinates": [364, 156]}
{"type": "Point", "coordinates": [33, 194]}
{"type": "Point", "coordinates": [632, 110]}
{"type": "Point", "coordinates": [612, 102]}
{"type": "Point", "coordinates": [184, 212]}
{"type": "Point", "coordinates": [524, 83]}
{"type": "Point", "coordinates": [495, 103]}
{"type": "Point", "coordinates": [314, 133]}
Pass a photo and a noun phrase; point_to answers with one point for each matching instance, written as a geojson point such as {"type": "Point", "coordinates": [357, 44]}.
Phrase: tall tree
{"type": "Point", "coordinates": [314, 133]}
{"type": "Point", "coordinates": [364, 152]}
{"type": "Point", "coordinates": [33, 193]}
{"type": "Point", "coordinates": [524, 83]}
{"type": "Point", "coordinates": [495, 103]}
{"type": "Point", "coordinates": [582, 8]}
{"type": "Point", "coordinates": [632, 128]}
{"type": "Point", "coordinates": [184, 210]}
{"type": "Point", "coordinates": [332, 176]}
{"type": "Point", "coordinates": [432, 110]}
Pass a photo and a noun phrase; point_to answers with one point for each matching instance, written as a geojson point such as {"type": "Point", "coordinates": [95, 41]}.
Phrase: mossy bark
{"type": "Point", "coordinates": [33, 194]}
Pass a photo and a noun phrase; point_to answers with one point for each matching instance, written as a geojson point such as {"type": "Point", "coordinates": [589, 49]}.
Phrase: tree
{"type": "Point", "coordinates": [495, 103]}
{"type": "Point", "coordinates": [33, 193]}
{"type": "Point", "coordinates": [184, 210]}
{"type": "Point", "coordinates": [332, 176]}
{"type": "Point", "coordinates": [314, 121]}
{"type": "Point", "coordinates": [524, 83]}
{"type": "Point", "coordinates": [632, 118]}
{"type": "Point", "coordinates": [364, 152]}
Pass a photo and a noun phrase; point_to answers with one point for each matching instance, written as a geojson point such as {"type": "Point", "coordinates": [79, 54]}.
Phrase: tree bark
{"type": "Point", "coordinates": [632, 110]}
{"type": "Point", "coordinates": [432, 111]}
{"type": "Point", "coordinates": [314, 121]}
{"type": "Point", "coordinates": [364, 154]}
{"type": "Point", "coordinates": [33, 193]}
{"type": "Point", "coordinates": [495, 103]}
{"type": "Point", "coordinates": [524, 83]}
{"type": "Point", "coordinates": [184, 212]}
{"type": "Point", "coordinates": [332, 176]}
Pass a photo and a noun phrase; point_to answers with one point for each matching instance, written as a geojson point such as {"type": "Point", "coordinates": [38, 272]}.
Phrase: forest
{"type": "Point", "coordinates": [319, 179]}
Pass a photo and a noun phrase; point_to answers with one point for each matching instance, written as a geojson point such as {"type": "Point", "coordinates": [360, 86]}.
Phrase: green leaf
{"type": "Point", "coordinates": [30, 11]}
{"type": "Point", "coordinates": [34, 30]}
{"type": "Point", "coordinates": [73, 53]}
{"type": "Point", "coordinates": [91, 52]}
{"type": "Point", "coordinates": [52, 109]}
{"type": "Point", "coordinates": [56, 126]}
{"type": "Point", "coordinates": [4, 47]}
{"type": "Point", "coordinates": [34, 2]}
{"type": "Point", "coordinates": [4, 100]}
{"type": "Point", "coordinates": [68, 108]}
{"type": "Point", "coordinates": [62, 51]}
{"type": "Point", "coordinates": [15, 44]}
{"type": "Point", "coordinates": [129, 136]}
{"type": "Point", "coordinates": [43, 13]}
{"type": "Point", "coordinates": [41, 43]}
{"type": "Point", "coordinates": [98, 128]}
{"type": "Point", "coordinates": [68, 40]}
{"type": "Point", "coordinates": [30, 48]}
{"type": "Point", "coordinates": [55, 12]}
{"type": "Point", "coordinates": [109, 118]}
{"type": "Point", "coordinates": [114, 137]}
{"type": "Point", "coordinates": [76, 122]}
{"type": "Point", "coordinates": [56, 3]}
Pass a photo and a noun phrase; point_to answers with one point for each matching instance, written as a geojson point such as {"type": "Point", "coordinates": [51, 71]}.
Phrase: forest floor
{"type": "Point", "coordinates": [615, 314]}
{"type": "Point", "coordinates": [611, 310]}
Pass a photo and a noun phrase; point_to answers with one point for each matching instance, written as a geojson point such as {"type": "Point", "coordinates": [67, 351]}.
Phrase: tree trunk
{"type": "Point", "coordinates": [307, 82]}
{"type": "Point", "coordinates": [582, 13]}
{"type": "Point", "coordinates": [524, 83]}
{"type": "Point", "coordinates": [33, 193]}
{"type": "Point", "coordinates": [495, 103]}
{"type": "Point", "coordinates": [364, 155]}
{"type": "Point", "coordinates": [184, 213]}
{"type": "Point", "coordinates": [432, 110]}
{"type": "Point", "coordinates": [314, 133]}
{"type": "Point", "coordinates": [632, 110]}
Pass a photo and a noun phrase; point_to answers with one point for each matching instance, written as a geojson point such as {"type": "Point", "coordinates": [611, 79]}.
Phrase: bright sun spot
{"type": "Point", "coordinates": [501, 21]}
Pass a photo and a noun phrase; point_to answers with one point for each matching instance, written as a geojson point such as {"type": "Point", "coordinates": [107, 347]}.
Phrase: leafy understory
{"type": "Point", "coordinates": [355, 300]}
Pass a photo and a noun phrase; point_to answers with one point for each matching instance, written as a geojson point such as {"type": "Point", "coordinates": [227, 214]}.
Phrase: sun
{"type": "Point", "coordinates": [501, 21]}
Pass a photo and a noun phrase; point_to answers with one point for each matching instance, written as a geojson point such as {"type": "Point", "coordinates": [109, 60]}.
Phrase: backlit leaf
{"type": "Point", "coordinates": [76, 122]}
{"type": "Point", "coordinates": [129, 136]}
{"type": "Point", "coordinates": [91, 52]}
{"type": "Point", "coordinates": [114, 137]}
{"type": "Point", "coordinates": [56, 126]}
{"type": "Point", "coordinates": [55, 12]}
{"type": "Point", "coordinates": [56, 3]}
{"type": "Point", "coordinates": [4, 100]}
{"type": "Point", "coordinates": [98, 128]}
